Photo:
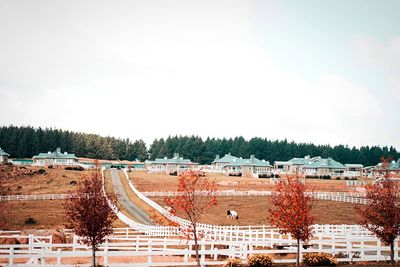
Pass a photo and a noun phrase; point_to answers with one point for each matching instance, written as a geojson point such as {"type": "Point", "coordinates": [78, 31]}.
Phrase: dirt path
{"type": "Point", "coordinates": [139, 215]}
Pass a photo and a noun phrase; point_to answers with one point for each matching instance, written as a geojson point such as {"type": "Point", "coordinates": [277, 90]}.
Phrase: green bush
{"type": "Point", "coordinates": [233, 262]}
{"type": "Point", "coordinates": [318, 259]}
{"type": "Point", "coordinates": [260, 260]}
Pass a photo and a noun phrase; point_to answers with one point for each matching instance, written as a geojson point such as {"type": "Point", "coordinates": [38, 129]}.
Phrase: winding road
{"type": "Point", "coordinates": [139, 215]}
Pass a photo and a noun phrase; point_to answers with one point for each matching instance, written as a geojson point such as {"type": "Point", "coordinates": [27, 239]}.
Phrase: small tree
{"type": "Point", "coordinates": [292, 211]}
{"type": "Point", "coordinates": [89, 213]}
{"type": "Point", "coordinates": [190, 204]}
{"type": "Point", "coordinates": [382, 214]}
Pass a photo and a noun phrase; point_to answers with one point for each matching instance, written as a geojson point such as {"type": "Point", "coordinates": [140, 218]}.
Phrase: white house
{"type": "Point", "coordinates": [325, 167]}
{"type": "Point", "coordinates": [294, 165]}
{"type": "Point", "coordinates": [165, 165]}
{"type": "Point", "coordinates": [3, 157]}
{"type": "Point", "coordinates": [354, 170]}
{"type": "Point", "coordinates": [252, 167]}
{"type": "Point", "coordinates": [55, 158]}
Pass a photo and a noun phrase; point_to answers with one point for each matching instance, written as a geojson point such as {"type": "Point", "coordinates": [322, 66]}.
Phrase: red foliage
{"type": "Point", "coordinates": [382, 214]}
{"type": "Point", "coordinates": [161, 220]}
{"type": "Point", "coordinates": [88, 211]}
{"type": "Point", "coordinates": [195, 196]}
{"type": "Point", "coordinates": [292, 210]}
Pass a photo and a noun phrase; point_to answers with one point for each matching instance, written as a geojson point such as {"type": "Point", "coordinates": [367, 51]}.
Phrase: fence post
{"type": "Point", "coordinates": [11, 258]}
{"type": "Point", "coordinates": [149, 256]}
{"type": "Point", "coordinates": [59, 257]}
{"type": "Point", "coordinates": [203, 254]}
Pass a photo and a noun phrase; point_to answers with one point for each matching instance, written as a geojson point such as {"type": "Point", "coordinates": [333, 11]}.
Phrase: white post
{"type": "Point", "coordinates": [105, 256]}
{"type": "Point", "coordinates": [58, 257]}
{"type": "Point", "coordinates": [11, 258]}
{"type": "Point", "coordinates": [149, 249]}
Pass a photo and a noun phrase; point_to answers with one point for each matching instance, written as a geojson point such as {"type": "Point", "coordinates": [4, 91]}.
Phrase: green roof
{"type": "Point", "coordinates": [228, 158]}
{"type": "Point", "coordinates": [328, 163]}
{"type": "Point", "coordinates": [174, 160]}
{"type": "Point", "coordinates": [3, 153]}
{"type": "Point", "coordinates": [252, 161]}
{"type": "Point", "coordinates": [55, 155]}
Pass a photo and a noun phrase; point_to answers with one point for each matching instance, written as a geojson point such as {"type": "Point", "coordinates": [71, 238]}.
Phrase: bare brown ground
{"type": "Point", "coordinates": [255, 211]}
{"type": "Point", "coordinates": [54, 181]}
{"type": "Point", "coordinates": [163, 182]}
{"type": "Point", "coordinates": [49, 214]}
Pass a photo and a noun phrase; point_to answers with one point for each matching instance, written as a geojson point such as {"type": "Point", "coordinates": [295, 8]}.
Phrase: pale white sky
{"type": "Point", "coordinates": [319, 72]}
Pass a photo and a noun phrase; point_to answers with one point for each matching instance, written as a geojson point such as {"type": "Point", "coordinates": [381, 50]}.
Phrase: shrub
{"type": "Point", "coordinates": [260, 260]}
{"type": "Point", "coordinates": [41, 171]}
{"type": "Point", "coordinates": [233, 262]}
{"type": "Point", "coordinates": [318, 259]}
{"type": "Point", "coordinates": [30, 220]}
{"type": "Point", "coordinates": [338, 178]}
{"type": "Point", "coordinates": [74, 168]}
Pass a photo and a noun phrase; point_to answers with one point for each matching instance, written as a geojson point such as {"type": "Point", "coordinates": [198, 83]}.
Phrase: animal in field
{"type": "Point", "coordinates": [231, 215]}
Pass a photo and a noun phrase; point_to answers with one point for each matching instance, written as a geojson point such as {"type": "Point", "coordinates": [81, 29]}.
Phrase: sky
{"type": "Point", "coordinates": [326, 72]}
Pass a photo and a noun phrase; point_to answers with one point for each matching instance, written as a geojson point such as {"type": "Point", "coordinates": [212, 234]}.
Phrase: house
{"type": "Point", "coordinates": [169, 166]}
{"type": "Point", "coordinates": [219, 163]}
{"type": "Point", "coordinates": [294, 165]}
{"type": "Point", "coordinates": [393, 169]}
{"type": "Point", "coordinates": [3, 157]}
{"type": "Point", "coordinates": [55, 158]}
{"type": "Point", "coordinates": [325, 167]}
{"type": "Point", "coordinates": [251, 167]}
{"type": "Point", "coordinates": [354, 170]}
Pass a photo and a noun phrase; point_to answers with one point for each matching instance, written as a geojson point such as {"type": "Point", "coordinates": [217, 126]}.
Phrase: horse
{"type": "Point", "coordinates": [231, 214]}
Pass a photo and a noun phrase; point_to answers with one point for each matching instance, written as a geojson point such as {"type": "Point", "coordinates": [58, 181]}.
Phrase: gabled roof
{"type": "Point", "coordinates": [303, 161]}
{"type": "Point", "coordinates": [393, 166]}
{"type": "Point", "coordinates": [354, 165]}
{"type": "Point", "coordinates": [3, 153]}
{"type": "Point", "coordinates": [174, 160]}
{"type": "Point", "coordinates": [328, 163]}
{"type": "Point", "coordinates": [228, 158]}
{"type": "Point", "coordinates": [55, 155]}
{"type": "Point", "coordinates": [252, 161]}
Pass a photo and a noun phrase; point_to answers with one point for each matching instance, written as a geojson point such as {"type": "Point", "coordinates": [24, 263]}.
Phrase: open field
{"type": "Point", "coordinates": [53, 181]}
{"type": "Point", "coordinates": [163, 182]}
{"type": "Point", "coordinates": [255, 211]}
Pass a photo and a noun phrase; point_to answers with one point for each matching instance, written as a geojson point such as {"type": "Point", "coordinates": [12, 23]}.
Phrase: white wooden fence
{"type": "Point", "coordinates": [40, 251]}
{"type": "Point", "coordinates": [34, 197]}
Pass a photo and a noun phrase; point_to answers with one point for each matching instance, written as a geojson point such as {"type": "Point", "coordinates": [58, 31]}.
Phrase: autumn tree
{"type": "Point", "coordinates": [89, 213]}
{"type": "Point", "coordinates": [382, 214]}
{"type": "Point", "coordinates": [195, 195]}
{"type": "Point", "coordinates": [291, 210]}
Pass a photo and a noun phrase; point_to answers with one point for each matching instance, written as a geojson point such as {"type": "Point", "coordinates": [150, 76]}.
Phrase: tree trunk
{"type": "Point", "coordinates": [93, 255]}
{"type": "Point", "coordinates": [196, 248]}
{"type": "Point", "coordinates": [392, 253]}
{"type": "Point", "coordinates": [298, 253]}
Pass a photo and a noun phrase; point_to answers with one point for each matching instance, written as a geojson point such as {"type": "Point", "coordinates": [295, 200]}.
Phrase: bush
{"type": "Point", "coordinates": [260, 260]}
{"type": "Point", "coordinates": [318, 259]}
{"type": "Point", "coordinates": [30, 220]}
{"type": "Point", "coordinates": [326, 177]}
{"type": "Point", "coordinates": [338, 178]}
{"type": "Point", "coordinates": [74, 168]}
{"type": "Point", "coordinates": [41, 171]}
{"type": "Point", "coordinates": [233, 262]}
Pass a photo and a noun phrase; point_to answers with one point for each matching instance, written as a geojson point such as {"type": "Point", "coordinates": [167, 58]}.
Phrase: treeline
{"type": "Point", "coordinates": [196, 149]}
{"type": "Point", "coordinates": [23, 142]}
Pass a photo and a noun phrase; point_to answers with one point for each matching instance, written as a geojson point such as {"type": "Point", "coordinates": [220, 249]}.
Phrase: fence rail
{"type": "Point", "coordinates": [34, 197]}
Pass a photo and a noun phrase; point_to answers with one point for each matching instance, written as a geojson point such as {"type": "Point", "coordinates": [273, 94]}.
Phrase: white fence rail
{"type": "Point", "coordinates": [40, 250]}
{"type": "Point", "coordinates": [34, 197]}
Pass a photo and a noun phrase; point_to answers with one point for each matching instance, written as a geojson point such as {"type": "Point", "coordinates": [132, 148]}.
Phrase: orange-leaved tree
{"type": "Point", "coordinates": [89, 213]}
{"type": "Point", "coordinates": [195, 195]}
{"type": "Point", "coordinates": [291, 210]}
{"type": "Point", "coordinates": [382, 213]}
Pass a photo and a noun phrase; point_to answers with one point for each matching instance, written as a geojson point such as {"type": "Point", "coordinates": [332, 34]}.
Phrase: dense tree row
{"type": "Point", "coordinates": [23, 142]}
{"type": "Point", "coordinates": [28, 141]}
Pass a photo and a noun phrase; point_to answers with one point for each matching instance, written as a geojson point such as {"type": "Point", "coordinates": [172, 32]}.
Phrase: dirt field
{"type": "Point", "coordinates": [162, 182]}
{"type": "Point", "coordinates": [255, 211]}
{"type": "Point", "coordinates": [53, 181]}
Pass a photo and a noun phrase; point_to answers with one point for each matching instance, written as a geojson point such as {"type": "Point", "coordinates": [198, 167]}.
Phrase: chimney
{"type": "Point", "coordinates": [176, 155]}
{"type": "Point", "coordinates": [58, 150]}
{"type": "Point", "coordinates": [216, 157]}
{"type": "Point", "coordinates": [252, 158]}
{"type": "Point", "coordinates": [307, 157]}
